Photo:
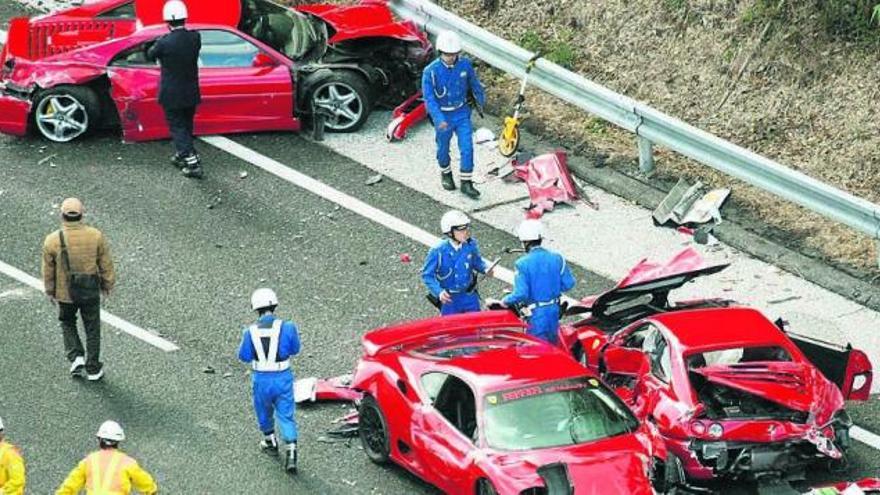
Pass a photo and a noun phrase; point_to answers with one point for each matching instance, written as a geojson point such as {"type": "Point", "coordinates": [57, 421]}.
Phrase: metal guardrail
{"type": "Point", "coordinates": [651, 126]}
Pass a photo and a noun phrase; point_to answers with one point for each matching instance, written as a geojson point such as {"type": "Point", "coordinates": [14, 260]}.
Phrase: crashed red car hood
{"type": "Point", "coordinates": [615, 472]}
{"type": "Point", "coordinates": [370, 18]}
{"type": "Point", "coordinates": [797, 386]}
{"type": "Point", "coordinates": [648, 277]}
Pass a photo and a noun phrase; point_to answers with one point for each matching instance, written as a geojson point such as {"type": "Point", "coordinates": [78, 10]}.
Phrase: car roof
{"type": "Point", "coordinates": [717, 328]}
{"type": "Point", "coordinates": [499, 359]}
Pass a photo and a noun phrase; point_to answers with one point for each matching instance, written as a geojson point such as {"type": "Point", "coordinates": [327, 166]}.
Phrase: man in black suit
{"type": "Point", "coordinates": [178, 54]}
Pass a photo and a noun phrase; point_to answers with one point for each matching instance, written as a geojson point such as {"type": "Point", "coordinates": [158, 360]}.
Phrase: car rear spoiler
{"type": "Point", "coordinates": [381, 339]}
{"type": "Point", "coordinates": [848, 368]}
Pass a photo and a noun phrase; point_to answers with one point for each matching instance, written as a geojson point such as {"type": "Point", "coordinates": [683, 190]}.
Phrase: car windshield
{"type": "Point", "coordinates": [554, 414]}
{"type": "Point", "coordinates": [290, 32]}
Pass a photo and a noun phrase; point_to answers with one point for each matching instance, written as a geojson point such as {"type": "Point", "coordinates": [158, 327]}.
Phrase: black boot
{"type": "Point", "coordinates": [269, 444]}
{"type": "Point", "coordinates": [446, 181]}
{"type": "Point", "coordinates": [467, 187]}
{"type": "Point", "coordinates": [290, 459]}
{"type": "Point", "coordinates": [192, 167]}
{"type": "Point", "coordinates": [178, 160]}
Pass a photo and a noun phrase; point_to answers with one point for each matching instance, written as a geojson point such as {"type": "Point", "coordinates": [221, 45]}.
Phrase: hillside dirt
{"type": "Point", "coordinates": [797, 96]}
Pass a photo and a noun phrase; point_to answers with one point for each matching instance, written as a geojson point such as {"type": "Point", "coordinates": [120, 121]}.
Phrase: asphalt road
{"type": "Point", "coordinates": [188, 255]}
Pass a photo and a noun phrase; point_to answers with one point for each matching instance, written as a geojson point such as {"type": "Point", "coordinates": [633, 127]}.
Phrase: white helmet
{"type": "Point", "coordinates": [174, 10]}
{"type": "Point", "coordinates": [453, 218]}
{"type": "Point", "coordinates": [530, 230]}
{"type": "Point", "coordinates": [448, 42]}
{"type": "Point", "coordinates": [110, 430]}
{"type": "Point", "coordinates": [263, 298]}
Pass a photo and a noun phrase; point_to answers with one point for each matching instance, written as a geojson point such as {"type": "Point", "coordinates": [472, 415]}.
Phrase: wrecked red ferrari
{"type": "Point", "coordinates": [734, 394]}
{"type": "Point", "coordinates": [262, 67]}
{"type": "Point", "coordinates": [471, 404]}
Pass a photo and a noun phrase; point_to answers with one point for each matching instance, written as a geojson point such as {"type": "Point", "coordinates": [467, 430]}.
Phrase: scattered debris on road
{"type": "Point", "coordinates": [687, 205]}
{"type": "Point", "coordinates": [374, 179]}
{"type": "Point", "coordinates": [44, 160]}
{"type": "Point", "coordinates": [209, 370]}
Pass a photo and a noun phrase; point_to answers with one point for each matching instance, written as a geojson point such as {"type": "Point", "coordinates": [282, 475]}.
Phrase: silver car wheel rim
{"type": "Point", "coordinates": [341, 104]}
{"type": "Point", "coordinates": [62, 118]}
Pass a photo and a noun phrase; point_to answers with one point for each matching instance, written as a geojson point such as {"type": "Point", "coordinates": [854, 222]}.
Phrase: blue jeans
{"type": "Point", "coordinates": [273, 396]}
{"type": "Point", "coordinates": [459, 123]}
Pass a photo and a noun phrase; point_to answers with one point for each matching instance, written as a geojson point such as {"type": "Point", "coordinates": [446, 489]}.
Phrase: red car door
{"type": "Point", "coordinates": [244, 87]}
{"type": "Point", "coordinates": [442, 431]}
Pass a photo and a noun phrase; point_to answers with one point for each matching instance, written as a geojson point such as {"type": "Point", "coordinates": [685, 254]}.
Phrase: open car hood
{"type": "Point", "coordinates": [798, 386]}
{"type": "Point", "coordinates": [648, 278]}
{"type": "Point", "coordinates": [613, 472]}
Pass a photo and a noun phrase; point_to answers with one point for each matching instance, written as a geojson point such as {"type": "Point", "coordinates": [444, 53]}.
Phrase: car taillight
{"type": "Point", "coordinates": [715, 430]}
{"type": "Point", "coordinates": [698, 428]}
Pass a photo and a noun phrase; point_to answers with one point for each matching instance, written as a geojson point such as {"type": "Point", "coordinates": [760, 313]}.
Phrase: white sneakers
{"type": "Point", "coordinates": [96, 376]}
{"type": "Point", "coordinates": [77, 366]}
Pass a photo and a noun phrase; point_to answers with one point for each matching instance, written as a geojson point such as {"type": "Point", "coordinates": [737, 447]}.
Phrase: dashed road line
{"type": "Point", "coordinates": [107, 317]}
{"type": "Point", "coordinates": [865, 436]}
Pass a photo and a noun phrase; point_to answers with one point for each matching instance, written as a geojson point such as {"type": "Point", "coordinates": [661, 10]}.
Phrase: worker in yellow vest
{"type": "Point", "coordinates": [12, 477]}
{"type": "Point", "coordinates": [108, 471]}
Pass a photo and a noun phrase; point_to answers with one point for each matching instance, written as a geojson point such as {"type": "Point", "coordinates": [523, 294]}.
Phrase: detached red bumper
{"type": "Point", "coordinates": [14, 114]}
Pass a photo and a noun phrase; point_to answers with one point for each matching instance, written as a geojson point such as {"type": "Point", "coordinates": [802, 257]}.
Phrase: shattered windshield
{"type": "Point", "coordinates": [554, 414]}
{"type": "Point", "coordinates": [290, 32]}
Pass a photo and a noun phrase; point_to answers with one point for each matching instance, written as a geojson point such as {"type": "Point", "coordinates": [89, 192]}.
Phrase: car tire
{"type": "Point", "coordinates": [485, 487]}
{"type": "Point", "coordinates": [344, 97]}
{"type": "Point", "coordinates": [64, 113]}
{"type": "Point", "coordinates": [674, 476]}
{"type": "Point", "coordinates": [373, 430]}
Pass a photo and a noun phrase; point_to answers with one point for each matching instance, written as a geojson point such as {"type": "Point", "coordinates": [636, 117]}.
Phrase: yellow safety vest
{"type": "Point", "coordinates": [104, 473]}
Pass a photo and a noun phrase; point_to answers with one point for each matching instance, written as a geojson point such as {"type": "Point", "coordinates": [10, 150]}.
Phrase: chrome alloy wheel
{"type": "Point", "coordinates": [62, 118]}
{"type": "Point", "coordinates": [341, 103]}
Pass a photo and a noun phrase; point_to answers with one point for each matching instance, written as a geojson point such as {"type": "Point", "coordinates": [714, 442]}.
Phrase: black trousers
{"type": "Point", "coordinates": [91, 316]}
{"type": "Point", "coordinates": [180, 124]}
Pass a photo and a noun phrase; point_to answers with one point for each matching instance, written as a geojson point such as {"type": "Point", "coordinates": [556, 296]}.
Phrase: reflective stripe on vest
{"type": "Point", "coordinates": [267, 362]}
{"type": "Point", "coordinates": [4, 449]}
{"type": "Point", "coordinates": [104, 476]}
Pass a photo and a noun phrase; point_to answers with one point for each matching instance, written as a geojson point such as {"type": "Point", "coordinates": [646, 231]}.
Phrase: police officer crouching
{"type": "Point", "coordinates": [541, 278]}
{"type": "Point", "coordinates": [451, 267]}
{"type": "Point", "coordinates": [178, 54]}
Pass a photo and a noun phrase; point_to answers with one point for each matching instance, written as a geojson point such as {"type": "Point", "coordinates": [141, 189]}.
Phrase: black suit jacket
{"type": "Point", "coordinates": [178, 54]}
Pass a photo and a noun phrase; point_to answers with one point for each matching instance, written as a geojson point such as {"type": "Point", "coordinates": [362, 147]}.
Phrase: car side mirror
{"type": "Point", "coordinates": [623, 361]}
{"type": "Point", "coordinates": [263, 60]}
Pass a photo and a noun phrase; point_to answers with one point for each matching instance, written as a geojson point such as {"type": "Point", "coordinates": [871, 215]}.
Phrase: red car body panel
{"type": "Point", "coordinates": [368, 19]}
{"type": "Point", "coordinates": [427, 444]}
{"type": "Point", "coordinates": [697, 327]}
{"type": "Point", "coordinates": [14, 115]}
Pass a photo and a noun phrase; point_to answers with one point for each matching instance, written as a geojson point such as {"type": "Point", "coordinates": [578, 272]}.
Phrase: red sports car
{"type": "Point", "coordinates": [471, 404]}
{"type": "Point", "coordinates": [262, 67]}
{"type": "Point", "coordinates": [733, 393]}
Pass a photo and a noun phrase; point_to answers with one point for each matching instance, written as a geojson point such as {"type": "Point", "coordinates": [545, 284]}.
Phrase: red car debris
{"type": "Point", "coordinates": [471, 404]}
{"type": "Point", "coordinates": [263, 67]}
{"type": "Point", "coordinates": [734, 394]}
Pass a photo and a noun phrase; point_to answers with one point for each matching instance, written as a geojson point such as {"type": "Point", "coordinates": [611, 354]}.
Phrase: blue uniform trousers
{"type": "Point", "coordinates": [459, 122]}
{"type": "Point", "coordinates": [464, 302]}
{"type": "Point", "coordinates": [544, 323]}
{"type": "Point", "coordinates": [273, 393]}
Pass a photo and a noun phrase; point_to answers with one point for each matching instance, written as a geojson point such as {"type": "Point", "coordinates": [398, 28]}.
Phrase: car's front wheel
{"type": "Point", "coordinates": [64, 113]}
{"type": "Point", "coordinates": [373, 430]}
{"type": "Point", "coordinates": [343, 98]}
{"type": "Point", "coordinates": [485, 487]}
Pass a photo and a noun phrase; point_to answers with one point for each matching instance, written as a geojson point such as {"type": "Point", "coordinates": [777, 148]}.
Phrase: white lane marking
{"type": "Point", "coordinates": [344, 200]}
{"type": "Point", "coordinates": [108, 318]}
{"type": "Point", "coordinates": [2, 37]}
{"type": "Point", "coordinates": [865, 436]}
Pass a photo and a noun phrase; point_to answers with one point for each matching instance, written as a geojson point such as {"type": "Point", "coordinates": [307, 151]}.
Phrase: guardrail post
{"type": "Point", "coordinates": [646, 156]}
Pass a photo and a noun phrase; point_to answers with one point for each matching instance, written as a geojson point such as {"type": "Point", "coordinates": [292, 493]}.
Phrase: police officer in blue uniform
{"type": "Point", "coordinates": [541, 278]}
{"type": "Point", "coordinates": [451, 267]}
{"type": "Point", "coordinates": [178, 54]}
{"type": "Point", "coordinates": [268, 345]}
{"type": "Point", "coordinates": [447, 84]}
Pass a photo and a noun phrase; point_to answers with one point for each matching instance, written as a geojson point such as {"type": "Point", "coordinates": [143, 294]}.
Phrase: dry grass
{"type": "Point", "coordinates": [803, 99]}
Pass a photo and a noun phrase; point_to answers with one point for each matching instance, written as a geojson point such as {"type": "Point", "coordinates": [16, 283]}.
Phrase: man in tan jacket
{"type": "Point", "coordinates": [87, 253]}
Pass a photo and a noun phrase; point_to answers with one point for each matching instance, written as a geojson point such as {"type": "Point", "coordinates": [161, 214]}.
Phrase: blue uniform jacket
{"type": "Point", "coordinates": [288, 342]}
{"type": "Point", "coordinates": [450, 269]}
{"type": "Point", "coordinates": [448, 87]}
{"type": "Point", "coordinates": [541, 275]}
